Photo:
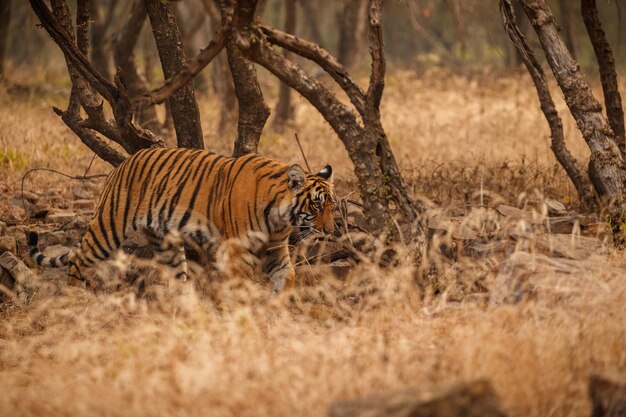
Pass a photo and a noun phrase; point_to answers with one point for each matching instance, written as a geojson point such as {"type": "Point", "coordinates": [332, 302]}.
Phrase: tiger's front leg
{"type": "Point", "coordinates": [277, 265]}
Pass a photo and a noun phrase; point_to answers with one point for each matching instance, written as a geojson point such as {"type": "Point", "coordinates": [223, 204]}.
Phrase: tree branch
{"type": "Point", "coordinates": [90, 139]}
{"type": "Point", "coordinates": [321, 57]}
{"type": "Point", "coordinates": [335, 112]}
{"type": "Point", "coordinates": [185, 75]}
{"type": "Point", "coordinates": [606, 166]}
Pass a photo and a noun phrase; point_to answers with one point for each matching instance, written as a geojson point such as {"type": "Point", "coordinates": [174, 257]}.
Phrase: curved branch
{"type": "Point", "coordinates": [185, 75]}
{"type": "Point", "coordinates": [338, 115]}
{"type": "Point", "coordinates": [321, 57]}
{"type": "Point", "coordinates": [90, 139]}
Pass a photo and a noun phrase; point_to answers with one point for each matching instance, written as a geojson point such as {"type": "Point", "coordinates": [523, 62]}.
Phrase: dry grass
{"type": "Point", "coordinates": [225, 349]}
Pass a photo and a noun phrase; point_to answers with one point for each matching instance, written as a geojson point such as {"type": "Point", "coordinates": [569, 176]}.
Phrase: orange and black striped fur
{"type": "Point", "coordinates": [198, 195]}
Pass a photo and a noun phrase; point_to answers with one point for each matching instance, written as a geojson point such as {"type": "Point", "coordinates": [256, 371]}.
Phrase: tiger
{"type": "Point", "coordinates": [201, 196]}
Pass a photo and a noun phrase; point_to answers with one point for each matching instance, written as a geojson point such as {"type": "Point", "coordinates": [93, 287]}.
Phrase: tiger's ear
{"type": "Point", "coordinates": [295, 177]}
{"type": "Point", "coordinates": [326, 173]}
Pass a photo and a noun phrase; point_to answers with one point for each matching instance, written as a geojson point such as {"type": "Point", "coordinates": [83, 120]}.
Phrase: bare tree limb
{"type": "Point", "coordinates": [321, 57]}
{"type": "Point", "coordinates": [608, 75]}
{"type": "Point", "coordinates": [565, 158]}
{"type": "Point", "coordinates": [189, 70]}
{"type": "Point", "coordinates": [90, 139]}
{"type": "Point", "coordinates": [5, 19]}
{"type": "Point", "coordinates": [62, 38]}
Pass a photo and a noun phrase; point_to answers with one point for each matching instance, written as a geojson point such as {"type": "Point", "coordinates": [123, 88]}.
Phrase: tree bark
{"type": "Point", "coordinates": [565, 158]}
{"type": "Point", "coordinates": [608, 75]}
{"type": "Point", "coordinates": [284, 109]}
{"type": "Point", "coordinates": [253, 111]}
{"type": "Point", "coordinates": [183, 104]}
{"type": "Point", "coordinates": [5, 20]}
{"type": "Point", "coordinates": [606, 166]}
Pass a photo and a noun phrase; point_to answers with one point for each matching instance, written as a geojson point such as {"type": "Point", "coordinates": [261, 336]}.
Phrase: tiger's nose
{"type": "Point", "coordinates": [329, 226]}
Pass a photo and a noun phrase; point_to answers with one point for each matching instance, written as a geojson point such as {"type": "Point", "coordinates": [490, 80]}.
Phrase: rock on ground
{"type": "Point", "coordinates": [608, 395]}
{"type": "Point", "coordinates": [472, 399]}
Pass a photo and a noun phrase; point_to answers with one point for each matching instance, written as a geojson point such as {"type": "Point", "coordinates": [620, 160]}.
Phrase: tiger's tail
{"type": "Point", "coordinates": [40, 258]}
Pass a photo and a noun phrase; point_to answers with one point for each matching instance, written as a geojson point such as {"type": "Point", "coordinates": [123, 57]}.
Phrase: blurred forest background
{"type": "Point", "coordinates": [464, 35]}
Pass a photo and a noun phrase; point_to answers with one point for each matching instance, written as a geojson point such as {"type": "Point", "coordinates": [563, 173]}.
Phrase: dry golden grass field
{"type": "Point", "coordinates": [532, 309]}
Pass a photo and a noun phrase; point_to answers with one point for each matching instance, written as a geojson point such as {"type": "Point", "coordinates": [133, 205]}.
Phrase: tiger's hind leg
{"type": "Point", "coordinates": [170, 251]}
{"type": "Point", "coordinates": [277, 264]}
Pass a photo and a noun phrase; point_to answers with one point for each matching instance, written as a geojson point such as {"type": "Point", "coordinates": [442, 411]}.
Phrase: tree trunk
{"type": "Point", "coordinates": [565, 158]}
{"type": "Point", "coordinates": [606, 166]}
{"type": "Point", "coordinates": [123, 48]}
{"type": "Point", "coordinates": [569, 24]}
{"type": "Point", "coordinates": [182, 104]}
{"type": "Point", "coordinates": [608, 76]}
{"type": "Point", "coordinates": [253, 111]}
{"type": "Point", "coordinates": [284, 109]}
{"type": "Point", "coordinates": [5, 20]}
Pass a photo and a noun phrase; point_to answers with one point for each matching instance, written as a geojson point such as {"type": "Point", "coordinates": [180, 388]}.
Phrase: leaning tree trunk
{"type": "Point", "coordinates": [182, 104]}
{"type": "Point", "coordinates": [608, 75]}
{"type": "Point", "coordinates": [382, 188]}
{"type": "Point", "coordinates": [606, 166]}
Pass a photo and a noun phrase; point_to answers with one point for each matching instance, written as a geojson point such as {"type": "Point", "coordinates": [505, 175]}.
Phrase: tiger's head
{"type": "Point", "coordinates": [313, 200]}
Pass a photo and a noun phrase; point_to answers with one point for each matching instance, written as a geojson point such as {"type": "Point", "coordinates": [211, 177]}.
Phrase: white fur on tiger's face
{"type": "Point", "coordinates": [206, 198]}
